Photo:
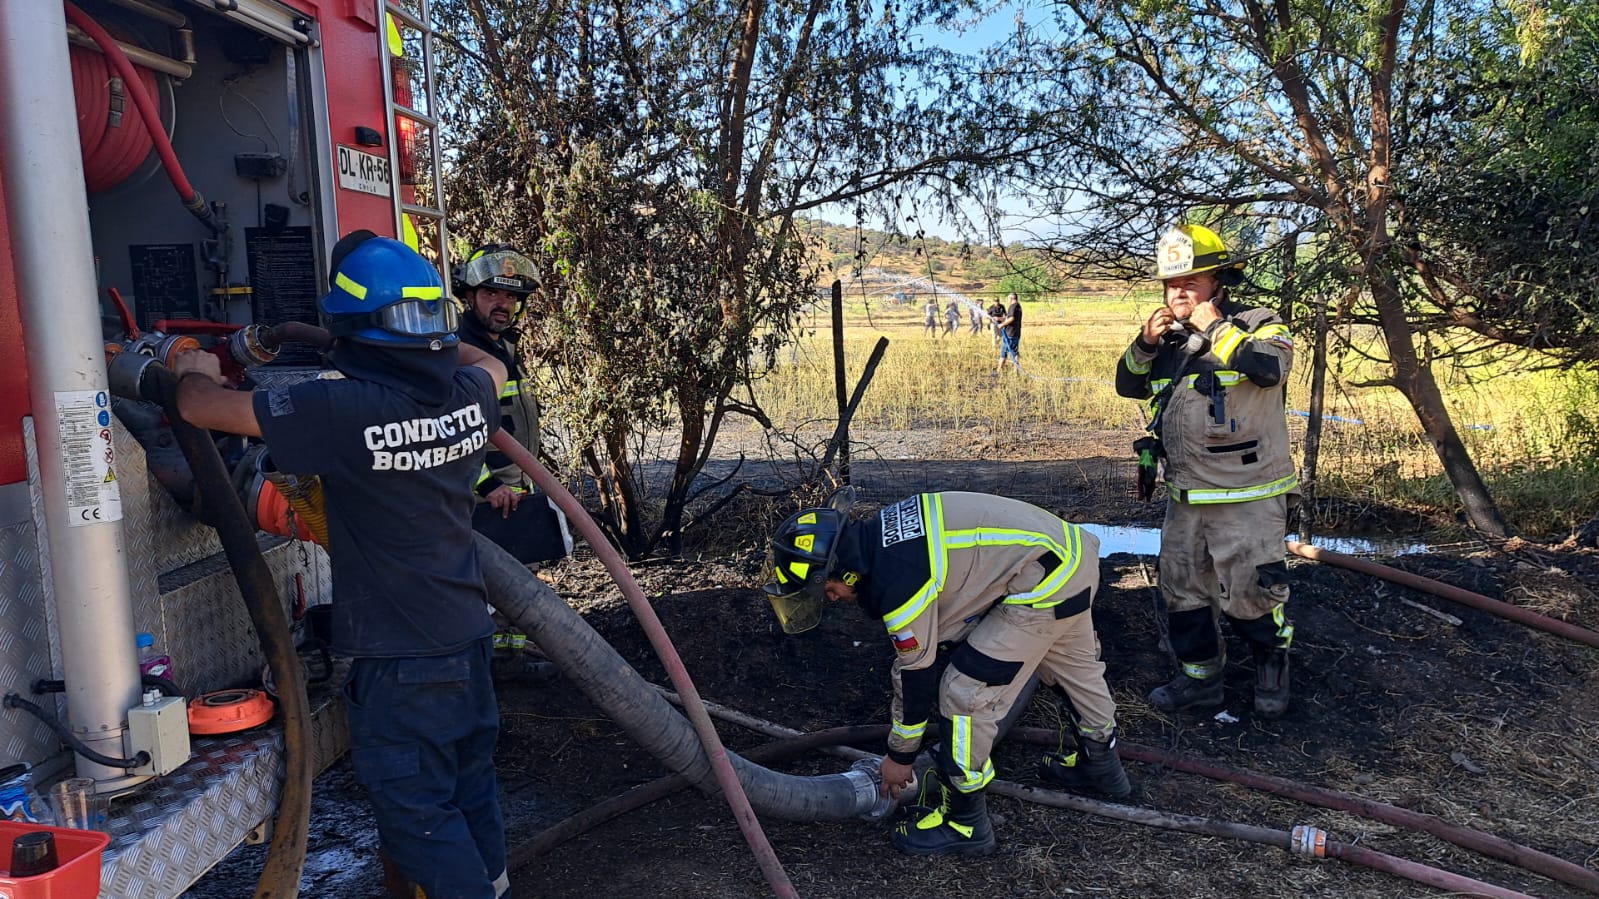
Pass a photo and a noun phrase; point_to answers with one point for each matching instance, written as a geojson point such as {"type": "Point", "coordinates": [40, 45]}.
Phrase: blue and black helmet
{"type": "Point", "coordinates": [385, 293]}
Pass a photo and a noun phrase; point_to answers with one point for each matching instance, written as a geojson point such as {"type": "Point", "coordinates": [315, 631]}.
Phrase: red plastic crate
{"type": "Point", "coordinates": [76, 877]}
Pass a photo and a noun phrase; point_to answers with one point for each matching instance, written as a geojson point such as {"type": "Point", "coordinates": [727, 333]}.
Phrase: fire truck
{"type": "Point", "coordinates": [172, 170]}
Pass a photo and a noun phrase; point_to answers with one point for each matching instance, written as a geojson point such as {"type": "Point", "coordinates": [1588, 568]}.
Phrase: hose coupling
{"type": "Point", "coordinates": [1307, 840]}
{"type": "Point", "coordinates": [867, 778]}
{"type": "Point", "coordinates": [126, 372]}
{"type": "Point", "coordinates": [253, 345]}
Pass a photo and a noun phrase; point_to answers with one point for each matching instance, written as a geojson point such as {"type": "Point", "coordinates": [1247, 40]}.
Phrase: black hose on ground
{"type": "Point", "coordinates": [219, 507]}
{"type": "Point", "coordinates": [607, 679]}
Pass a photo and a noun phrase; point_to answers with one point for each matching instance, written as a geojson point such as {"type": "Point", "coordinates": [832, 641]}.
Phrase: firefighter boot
{"type": "Point", "coordinates": [1186, 691]}
{"type": "Point", "coordinates": [1095, 768]}
{"type": "Point", "coordinates": [1271, 682]}
{"type": "Point", "coordinates": [958, 826]}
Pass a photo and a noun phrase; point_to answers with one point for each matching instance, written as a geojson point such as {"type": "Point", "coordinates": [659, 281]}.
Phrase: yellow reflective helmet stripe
{"type": "Point", "coordinates": [350, 285]}
{"type": "Point", "coordinates": [358, 290]}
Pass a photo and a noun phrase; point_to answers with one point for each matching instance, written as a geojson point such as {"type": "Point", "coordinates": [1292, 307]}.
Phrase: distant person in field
{"type": "Point", "coordinates": [952, 318]}
{"type": "Point", "coordinates": [996, 315]}
{"type": "Point", "coordinates": [976, 315]}
{"type": "Point", "coordinates": [931, 311]}
{"type": "Point", "coordinates": [1213, 371]}
{"type": "Point", "coordinates": [1010, 336]}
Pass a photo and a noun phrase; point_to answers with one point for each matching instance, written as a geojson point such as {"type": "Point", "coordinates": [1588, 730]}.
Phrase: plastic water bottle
{"type": "Point", "coordinates": [152, 661]}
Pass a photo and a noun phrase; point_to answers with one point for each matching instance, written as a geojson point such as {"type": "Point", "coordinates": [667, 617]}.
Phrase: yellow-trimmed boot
{"type": "Point", "coordinates": [957, 826]}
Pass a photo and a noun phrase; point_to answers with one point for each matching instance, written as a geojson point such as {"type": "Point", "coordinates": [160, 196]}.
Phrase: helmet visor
{"type": "Point", "coordinates": [797, 611]}
{"type": "Point", "coordinates": [419, 318]}
{"type": "Point", "coordinates": [505, 269]}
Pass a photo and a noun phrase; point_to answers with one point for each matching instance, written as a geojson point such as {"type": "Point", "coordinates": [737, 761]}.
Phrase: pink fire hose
{"type": "Point", "coordinates": [693, 705]}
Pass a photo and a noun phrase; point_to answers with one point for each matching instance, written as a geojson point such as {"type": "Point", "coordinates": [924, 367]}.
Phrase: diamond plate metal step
{"type": "Point", "coordinates": [172, 830]}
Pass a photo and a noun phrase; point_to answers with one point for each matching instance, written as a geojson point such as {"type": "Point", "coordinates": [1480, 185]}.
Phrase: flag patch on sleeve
{"type": "Point", "coordinates": [905, 641]}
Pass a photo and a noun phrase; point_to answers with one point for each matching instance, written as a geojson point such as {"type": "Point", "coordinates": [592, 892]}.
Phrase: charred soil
{"type": "Point", "coordinates": [1483, 723]}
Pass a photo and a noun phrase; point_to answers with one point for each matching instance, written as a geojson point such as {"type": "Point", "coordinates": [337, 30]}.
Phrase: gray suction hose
{"type": "Point", "coordinates": [612, 684]}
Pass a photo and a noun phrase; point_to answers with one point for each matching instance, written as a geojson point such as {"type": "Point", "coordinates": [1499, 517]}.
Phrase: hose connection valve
{"type": "Point", "coordinates": [252, 345]}
{"type": "Point", "coordinates": [1307, 840]}
{"type": "Point", "coordinates": [867, 777]}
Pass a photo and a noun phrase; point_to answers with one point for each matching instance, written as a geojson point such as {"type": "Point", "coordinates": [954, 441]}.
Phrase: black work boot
{"type": "Point", "coordinates": [1271, 682]}
{"type": "Point", "coordinates": [1186, 691]}
{"type": "Point", "coordinates": [1094, 768]}
{"type": "Point", "coordinates": [957, 826]}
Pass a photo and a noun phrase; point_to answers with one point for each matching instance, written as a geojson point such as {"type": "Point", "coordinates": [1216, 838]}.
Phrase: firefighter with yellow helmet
{"type": "Point", "coordinates": [1214, 372]}
{"type": "Point", "coordinates": [1008, 587]}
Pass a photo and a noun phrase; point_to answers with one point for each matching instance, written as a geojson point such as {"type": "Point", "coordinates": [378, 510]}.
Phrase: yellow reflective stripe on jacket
{"type": "Point", "coordinates": [485, 475]}
{"type": "Point", "coordinates": [1236, 494]}
{"type": "Point", "coordinates": [1228, 337]}
{"type": "Point", "coordinates": [1223, 377]}
{"type": "Point", "coordinates": [1276, 332]}
{"type": "Point", "coordinates": [1226, 340]}
{"type": "Point", "coordinates": [933, 515]}
{"type": "Point", "coordinates": [1053, 581]}
{"type": "Point", "coordinates": [511, 389]}
{"type": "Point", "coordinates": [940, 542]}
{"type": "Point", "coordinates": [1130, 360]}
{"type": "Point", "coordinates": [911, 732]}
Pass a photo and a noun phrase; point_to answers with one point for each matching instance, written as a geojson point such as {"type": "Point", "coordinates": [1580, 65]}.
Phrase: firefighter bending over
{"type": "Point", "coordinates": [398, 441]}
{"type": "Point", "coordinates": [1214, 372]}
{"type": "Point", "coordinates": [1008, 586]}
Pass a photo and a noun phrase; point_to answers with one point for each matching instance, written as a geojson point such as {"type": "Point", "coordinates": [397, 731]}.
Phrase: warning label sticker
{"type": "Point", "coordinates": [89, 461]}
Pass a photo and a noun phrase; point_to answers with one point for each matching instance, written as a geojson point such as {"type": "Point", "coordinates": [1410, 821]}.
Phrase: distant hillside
{"type": "Point", "coordinates": [970, 269]}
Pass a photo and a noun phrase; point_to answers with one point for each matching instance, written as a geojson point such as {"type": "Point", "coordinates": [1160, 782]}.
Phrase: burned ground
{"type": "Point", "coordinates": [1483, 723]}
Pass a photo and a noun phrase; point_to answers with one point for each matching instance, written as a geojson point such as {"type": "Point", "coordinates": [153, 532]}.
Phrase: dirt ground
{"type": "Point", "coordinates": [1476, 720]}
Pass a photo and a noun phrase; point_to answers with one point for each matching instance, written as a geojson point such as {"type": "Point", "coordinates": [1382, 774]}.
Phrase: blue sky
{"type": "Point", "coordinates": [998, 25]}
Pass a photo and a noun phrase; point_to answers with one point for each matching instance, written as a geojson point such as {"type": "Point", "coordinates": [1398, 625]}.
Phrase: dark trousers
{"type": "Point", "coordinates": [422, 733]}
